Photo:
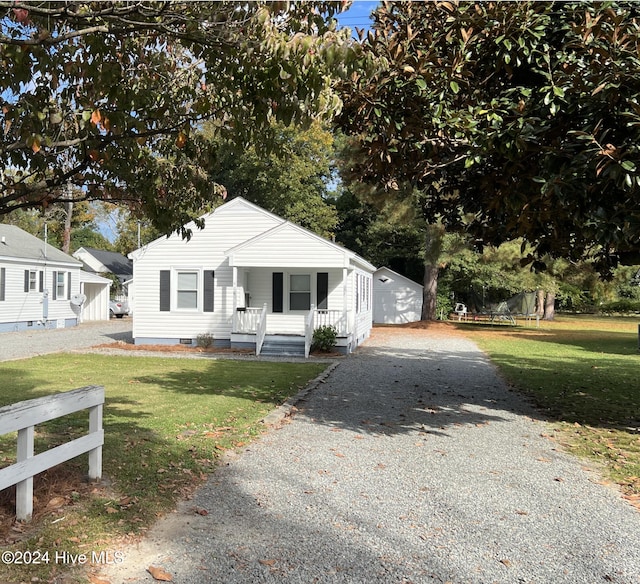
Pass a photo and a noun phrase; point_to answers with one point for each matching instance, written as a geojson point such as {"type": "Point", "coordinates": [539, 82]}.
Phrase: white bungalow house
{"type": "Point", "coordinates": [40, 286]}
{"type": "Point", "coordinates": [396, 299]}
{"type": "Point", "coordinates": [250, 279]}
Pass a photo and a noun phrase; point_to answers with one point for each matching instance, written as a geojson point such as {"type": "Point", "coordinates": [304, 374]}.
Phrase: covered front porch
{"type": "Point", "coordinates": [270, 333]}
{"type": "Point", "coordinates": [288, 281]}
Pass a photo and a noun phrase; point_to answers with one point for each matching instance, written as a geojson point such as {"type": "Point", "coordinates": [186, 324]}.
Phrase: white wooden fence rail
{"type": "Point", "coordinates": [24, 416]}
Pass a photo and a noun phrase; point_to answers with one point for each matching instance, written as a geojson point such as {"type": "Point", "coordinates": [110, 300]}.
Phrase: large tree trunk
{"type": "Point", "coordinates": [550, 306]}
{"type": "Point", "coordinates": [66, 234]}
{"type": "Point", "coordinates": [540, 302]}
{"type": "Point", "coordinates": [432, 250]}
{"type": "Point", "coordinates": [430, 293]}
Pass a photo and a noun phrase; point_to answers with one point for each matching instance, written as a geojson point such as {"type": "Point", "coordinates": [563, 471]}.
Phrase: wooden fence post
{"type": "Point", "coordinates": [24, 489]}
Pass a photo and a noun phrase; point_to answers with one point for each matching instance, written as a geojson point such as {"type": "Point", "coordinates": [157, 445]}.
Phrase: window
{"type": "Point", "coordinates": [33, 280]}
{"type": "Point", "coordinates": [59, 285]}
{"type": "Point", "coordinates": [299, 292]}
{"type": "Point", "coordinates": [187, 290]}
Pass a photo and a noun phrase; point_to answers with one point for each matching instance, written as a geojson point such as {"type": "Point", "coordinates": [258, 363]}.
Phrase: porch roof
{"type": "Point", "coordinates": [288, 245]}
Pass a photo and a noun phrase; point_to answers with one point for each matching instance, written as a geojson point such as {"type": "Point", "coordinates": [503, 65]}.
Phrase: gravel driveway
{"type": "Point", "coordinates": [23, 344]}
{"type": "Point", "coordinates": [411, 462]}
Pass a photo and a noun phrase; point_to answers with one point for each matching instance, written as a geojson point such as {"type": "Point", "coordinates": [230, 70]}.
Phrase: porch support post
{"type": "Point", "coordinates": [235, 289]}
{"type": "Point", "coordinates": [234, 307]}
{"type": "Point", "coordinates": [345, 301]}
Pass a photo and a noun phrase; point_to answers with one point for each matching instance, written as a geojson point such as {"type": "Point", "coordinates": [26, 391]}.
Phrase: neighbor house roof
{"type": "Point", "coordinates": [17, 244]}
{"type": "Point", "coordinates": [114, 263]}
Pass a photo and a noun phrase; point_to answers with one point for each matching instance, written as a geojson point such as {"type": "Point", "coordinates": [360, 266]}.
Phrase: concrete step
{"type": "Point", "coordinates": [283, 346]}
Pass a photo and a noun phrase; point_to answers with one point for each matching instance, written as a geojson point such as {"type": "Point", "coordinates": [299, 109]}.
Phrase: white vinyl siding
{"type": "Point", "coordinates": [242, 244]}
{"type": "Point", "coordinates": [226, 228]}
{"type": "Point", "coordinates": [22, 307]}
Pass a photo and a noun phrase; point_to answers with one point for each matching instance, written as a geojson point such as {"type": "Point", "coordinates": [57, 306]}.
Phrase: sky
{"type": "Point", "coordinates": [358, 14]}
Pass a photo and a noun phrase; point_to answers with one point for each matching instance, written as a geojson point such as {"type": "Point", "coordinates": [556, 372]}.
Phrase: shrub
{"type": "Point", "coordinates": [324, 338]}
{"type": "Point", "coordinates": [204, 340]}
{"type": "Point", "coordinates": [623, 306]}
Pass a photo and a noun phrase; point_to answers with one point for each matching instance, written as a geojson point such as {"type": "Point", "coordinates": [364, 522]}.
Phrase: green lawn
{"type": "Point", "coordinates": [166, 422]}
{"type": "Point", "coordinates": [583, 374]}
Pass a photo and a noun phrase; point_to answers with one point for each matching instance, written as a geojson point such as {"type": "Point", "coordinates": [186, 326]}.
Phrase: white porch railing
{"type": "Point", "coordinates": [23, 416]}
{"type": "Point", "coordinates": [261, 329]}
{"type": "Point", "coordinates": [309, 327]}
{"type": "Point", "coordinates": [336, 318]}
{"type": "Point", "coordinates": [246, 320]}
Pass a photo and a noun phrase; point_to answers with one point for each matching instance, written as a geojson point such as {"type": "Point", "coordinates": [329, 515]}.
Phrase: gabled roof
{"type": "Point", "coordinates": [280, 226]}
{"type": "Point", "coordinates": [114, 262]}
{"type": "Point", "coordinates": [385, 275]}
{"type": "Point", "coordinates": [312, 249]}
{"type": "Point", "coordinates": [228, 206]}
{"type": "Point", "coordinates": [17, 244]}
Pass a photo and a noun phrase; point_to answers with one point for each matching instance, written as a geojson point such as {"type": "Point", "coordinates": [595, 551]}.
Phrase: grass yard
{"type": "Point", "coordinates": [166, 422]}
{"type": "Point", "coordinates": [583, 373]}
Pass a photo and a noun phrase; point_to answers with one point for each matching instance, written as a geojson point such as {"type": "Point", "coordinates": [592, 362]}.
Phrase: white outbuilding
{"type": "Point", "coordinates": [396, 299]}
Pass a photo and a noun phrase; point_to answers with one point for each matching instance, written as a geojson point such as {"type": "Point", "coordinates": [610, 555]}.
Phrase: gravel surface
{"type": "Point", "coordinates": [411, 462]}
{"type": "Point", "coordinates": [23, 344]}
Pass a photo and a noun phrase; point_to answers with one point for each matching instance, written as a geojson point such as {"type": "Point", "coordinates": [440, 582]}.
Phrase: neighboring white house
{"type": "Point", "coordinates": [250, 279]}
{"type": "Point", "coordinates": [39, 284]}
{"type": "Point", "coordinates": [95, 291]}
{"type": "Point", "coordinates": [396, 299]}
{"type": "Point", "coordinates": [98, 261]}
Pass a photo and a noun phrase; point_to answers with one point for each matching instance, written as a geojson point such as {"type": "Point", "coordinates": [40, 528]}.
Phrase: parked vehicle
{"type": "Point", "coordinates": [118, 308]}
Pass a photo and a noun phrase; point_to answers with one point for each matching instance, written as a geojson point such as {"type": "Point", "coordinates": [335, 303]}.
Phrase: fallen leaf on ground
{"type": "Point", "coordinates": [96, 580]}
{"type": "Point", "coordinates": [267, 562]}
{"type": "Point", "coordinates": [56, 502]}
{"type": "Point", "coordinates": [159, 574]}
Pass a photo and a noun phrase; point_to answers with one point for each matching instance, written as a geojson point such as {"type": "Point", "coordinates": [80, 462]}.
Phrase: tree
{"type": "Point", "coordinates": [515, 119]}
{"type": "Point", "coordinates": [291, 180]}
{"type": "Point", "coordinates": [107, 96]}
{"type": "Point", "coordinates": [61, 225]}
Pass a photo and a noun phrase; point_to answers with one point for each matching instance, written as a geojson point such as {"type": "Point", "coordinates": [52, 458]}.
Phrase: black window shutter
{"type": "Point", "coordinates": [26, 280]}
{"type": "Point", "coordinates": [3, 274]}
{"type": "Point", "coordinates": [208, 290]}
{"type": "Point", "coordinates": [278, 291]}
{"type": "Point", "coordinates": [41, 285]}
{"type": "Point", "coordinates": [54, 292]}
{"type": "Point", "coordinates": [68, 285]}
{"type": "Point", "coordinates": [322, 289]}
{"type": "Point", "coordinates": [165, 290]}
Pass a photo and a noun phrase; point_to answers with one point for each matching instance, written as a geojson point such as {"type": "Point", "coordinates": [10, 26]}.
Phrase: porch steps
{"type": "Point", "coordinates": [283, 346]}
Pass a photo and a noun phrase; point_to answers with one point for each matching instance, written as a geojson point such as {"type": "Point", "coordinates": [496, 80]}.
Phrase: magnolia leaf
{"type": "Point", "coordinates": [159, 574]}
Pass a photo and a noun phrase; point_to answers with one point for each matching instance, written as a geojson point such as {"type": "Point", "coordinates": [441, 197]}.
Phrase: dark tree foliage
{"type": "Point", "coordinates": [107, 96]}
{"type": "Point", "coordinates": [515, 119]}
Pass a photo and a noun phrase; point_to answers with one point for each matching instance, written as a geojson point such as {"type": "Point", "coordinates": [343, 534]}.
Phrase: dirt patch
{"type": "Point", "coordinates": [420, 328]}
{"type": "Point", "coordinates": [122, 346]}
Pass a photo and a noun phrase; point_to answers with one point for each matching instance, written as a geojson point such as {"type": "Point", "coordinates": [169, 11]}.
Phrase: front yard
{"type": "Point", "coordinates": [582, 372]}
{"type": "Point", "coordinates": [166, 420]}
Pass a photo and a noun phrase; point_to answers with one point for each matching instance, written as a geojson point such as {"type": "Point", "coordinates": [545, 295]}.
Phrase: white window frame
{"type": "Point", "coordinates": [61, 285]}
{"type": "Point", "coordinates": [291, 291]}
{"type": "Point", "coordinates": [33, 280]}
{"type": "Point", "coordinates": [177, 290]}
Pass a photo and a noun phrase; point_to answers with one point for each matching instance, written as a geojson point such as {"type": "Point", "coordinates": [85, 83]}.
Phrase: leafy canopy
{"type": "Point", "coordinates": [107, 95]}
{"type": "Point", "coordinates": [516, 119]}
